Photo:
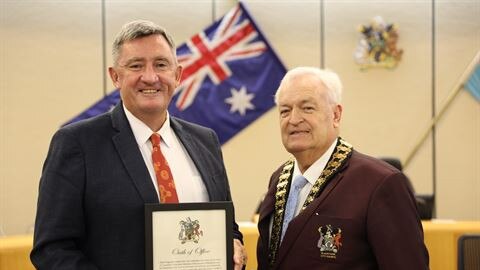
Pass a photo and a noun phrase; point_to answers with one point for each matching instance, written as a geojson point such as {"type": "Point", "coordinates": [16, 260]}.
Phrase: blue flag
{"type": "Point", "coordinates": [473, 83]}
{"type": "Point", "coordinates": [103, 105]}
{"type": "Point", "coordinates": [230, 75]}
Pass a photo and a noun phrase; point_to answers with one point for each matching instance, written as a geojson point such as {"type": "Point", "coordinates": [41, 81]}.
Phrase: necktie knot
{"type": "Point", "coordinates": [299, 182]}
{"type": "Point", "coordinates": [155, 139]}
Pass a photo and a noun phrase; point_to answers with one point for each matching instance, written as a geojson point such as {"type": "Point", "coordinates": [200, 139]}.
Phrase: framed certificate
{"type": "Point", "coordinates": [189, 236]}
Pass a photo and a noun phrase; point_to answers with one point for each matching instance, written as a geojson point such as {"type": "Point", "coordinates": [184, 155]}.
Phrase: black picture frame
{"type": "Point", "coordinates": [168, 214]}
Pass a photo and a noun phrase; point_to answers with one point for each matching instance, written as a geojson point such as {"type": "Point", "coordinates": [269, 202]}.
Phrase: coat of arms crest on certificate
{"type": "Point", "coordinates": [377, 46]}
{"type": "Point", "coordinates": [330, 241]}
{"type": "Point", "coordinates": [189, 231]}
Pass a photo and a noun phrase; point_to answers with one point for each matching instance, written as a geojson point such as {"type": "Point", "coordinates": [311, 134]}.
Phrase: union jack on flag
{"type": "Point", "coordinates": [230, 75]}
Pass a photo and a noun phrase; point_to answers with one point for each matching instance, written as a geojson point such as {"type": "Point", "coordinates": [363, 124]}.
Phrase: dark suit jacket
{"type": "Point", "coordinates": [371, 203]}
{"type": "Point", "coordinates": [94, 185]}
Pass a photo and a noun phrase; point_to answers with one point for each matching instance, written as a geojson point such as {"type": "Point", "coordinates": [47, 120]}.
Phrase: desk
{"type": "Point", "coordinates": [15, 252]}
{"type": "Point", "coordinates": [440, 237]}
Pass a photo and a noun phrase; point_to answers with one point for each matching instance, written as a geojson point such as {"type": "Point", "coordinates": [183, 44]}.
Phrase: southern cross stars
{"type": "Point", "coordinates": [240, 101]}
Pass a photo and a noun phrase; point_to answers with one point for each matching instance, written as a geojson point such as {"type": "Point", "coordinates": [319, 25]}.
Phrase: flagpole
{"type": "Point", "coordinates": [458, 86]}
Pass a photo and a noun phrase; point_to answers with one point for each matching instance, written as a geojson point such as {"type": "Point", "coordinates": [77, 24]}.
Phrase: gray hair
{"type": "Point", "coordinates": [330, 79]}
{"type": "Point", "coordinates": [138, 29]}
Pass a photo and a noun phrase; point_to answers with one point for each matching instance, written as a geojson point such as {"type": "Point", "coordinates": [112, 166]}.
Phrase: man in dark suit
{"type": "Point", "coordinates": [331, 207]}
{"type": "Point", "coordinates": [98, 174]}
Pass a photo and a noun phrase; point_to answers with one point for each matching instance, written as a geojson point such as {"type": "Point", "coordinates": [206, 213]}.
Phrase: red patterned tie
{"type": "Point", "coordinates": [166, 186]}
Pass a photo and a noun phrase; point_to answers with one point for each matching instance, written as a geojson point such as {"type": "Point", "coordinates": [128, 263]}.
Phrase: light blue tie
{"type": "Point", "coordinates": [292, 201]}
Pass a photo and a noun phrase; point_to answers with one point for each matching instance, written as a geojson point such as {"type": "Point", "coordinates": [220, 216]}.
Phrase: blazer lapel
{"type": "Point", "coordinates": [267, 207]}
{"type": "Point", "coordinates": [268, 204]}
{"type": "Point", "coordinates": [265, 212]}
{"type": "Point", "coordinates": [196, 155]}
{"type": "Point", "coordinates": [132, 159]}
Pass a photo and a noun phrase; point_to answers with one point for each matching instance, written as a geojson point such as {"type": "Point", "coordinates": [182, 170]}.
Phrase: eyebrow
{"type": "Point", "coordinates": [134, 59]}
{"type": "Point", "coordinates": [141, 59]}
{"type": "Point", "coordinates": [302, 102]}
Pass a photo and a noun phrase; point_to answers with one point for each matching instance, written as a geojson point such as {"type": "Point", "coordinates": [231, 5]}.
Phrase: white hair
{"type": "Point", "coordinates": [330, 79]}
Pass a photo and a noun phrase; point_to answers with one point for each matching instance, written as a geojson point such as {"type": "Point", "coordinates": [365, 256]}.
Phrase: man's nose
{"type": "Point", "coordinates": [149, 75]}
{"type": "Point", "coordinates": [296, 117]}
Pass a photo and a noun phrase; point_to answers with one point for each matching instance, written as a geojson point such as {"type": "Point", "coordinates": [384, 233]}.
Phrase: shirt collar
{"type": "Point", "coordinates": [166, 132]}
{"type": "Point", "coordinates": [316, 169]}
{"type": "Point", "coordinates": [142, 132]}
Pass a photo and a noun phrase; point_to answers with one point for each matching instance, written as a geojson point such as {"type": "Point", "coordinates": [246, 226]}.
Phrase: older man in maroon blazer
{"type": "Point", "coordinates": [329, 206]}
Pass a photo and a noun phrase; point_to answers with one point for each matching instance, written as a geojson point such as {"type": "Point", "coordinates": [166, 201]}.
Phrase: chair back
{"type": "Point", "coordinates": [469, 252]}
{"type": "Point", "coordinates": [425, 202]}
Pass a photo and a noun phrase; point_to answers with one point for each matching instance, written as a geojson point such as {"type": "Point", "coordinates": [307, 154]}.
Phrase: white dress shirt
{"type": "Point", "coordinates": [188, 182]}
{"type": "Point", "coordinates": [311, 174]}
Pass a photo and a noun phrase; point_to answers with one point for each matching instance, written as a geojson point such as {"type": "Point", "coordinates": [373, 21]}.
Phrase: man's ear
{"type": "Point", "coordinates": [337, 115]}
{"type": "Point", "coordinates": [178, 74]}
{"type": "Point", "coordinates": [114, 76]}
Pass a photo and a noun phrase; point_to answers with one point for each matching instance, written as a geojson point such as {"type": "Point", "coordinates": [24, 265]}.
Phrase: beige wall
{"type": "Point", "coordinates": [51, 69]}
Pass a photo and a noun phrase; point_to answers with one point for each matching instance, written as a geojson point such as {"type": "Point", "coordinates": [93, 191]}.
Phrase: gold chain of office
{"type": "Point", "coordinates": [340, 155]}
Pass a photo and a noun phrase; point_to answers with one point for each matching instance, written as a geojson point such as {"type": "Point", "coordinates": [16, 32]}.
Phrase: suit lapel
{"type": "Point", "coordinates": [198, 157]}
{"type": "Point", "coordinates": [131, 157]}
{"type": "Point", "coordinates": [267, 207]}
{"type": "Point", "coordinates": [266, 210]}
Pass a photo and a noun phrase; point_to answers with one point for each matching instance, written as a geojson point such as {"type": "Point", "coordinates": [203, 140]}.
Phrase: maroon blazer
{"type": "Point", "coordinates": [368, 213]}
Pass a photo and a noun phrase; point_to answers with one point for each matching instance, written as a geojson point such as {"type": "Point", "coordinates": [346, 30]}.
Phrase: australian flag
{"type": "Point", "coordinates": [230, 75]}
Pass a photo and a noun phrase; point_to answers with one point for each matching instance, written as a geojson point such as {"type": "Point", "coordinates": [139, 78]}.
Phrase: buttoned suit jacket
{"type": "Point", "coordinates": [370, 202]}
{"type": "Point", "coordinates": [93, 189]}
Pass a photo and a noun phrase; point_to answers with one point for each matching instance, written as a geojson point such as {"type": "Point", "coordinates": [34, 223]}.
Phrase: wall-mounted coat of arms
{"type": "Point", "coordinates": [377, 46]}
